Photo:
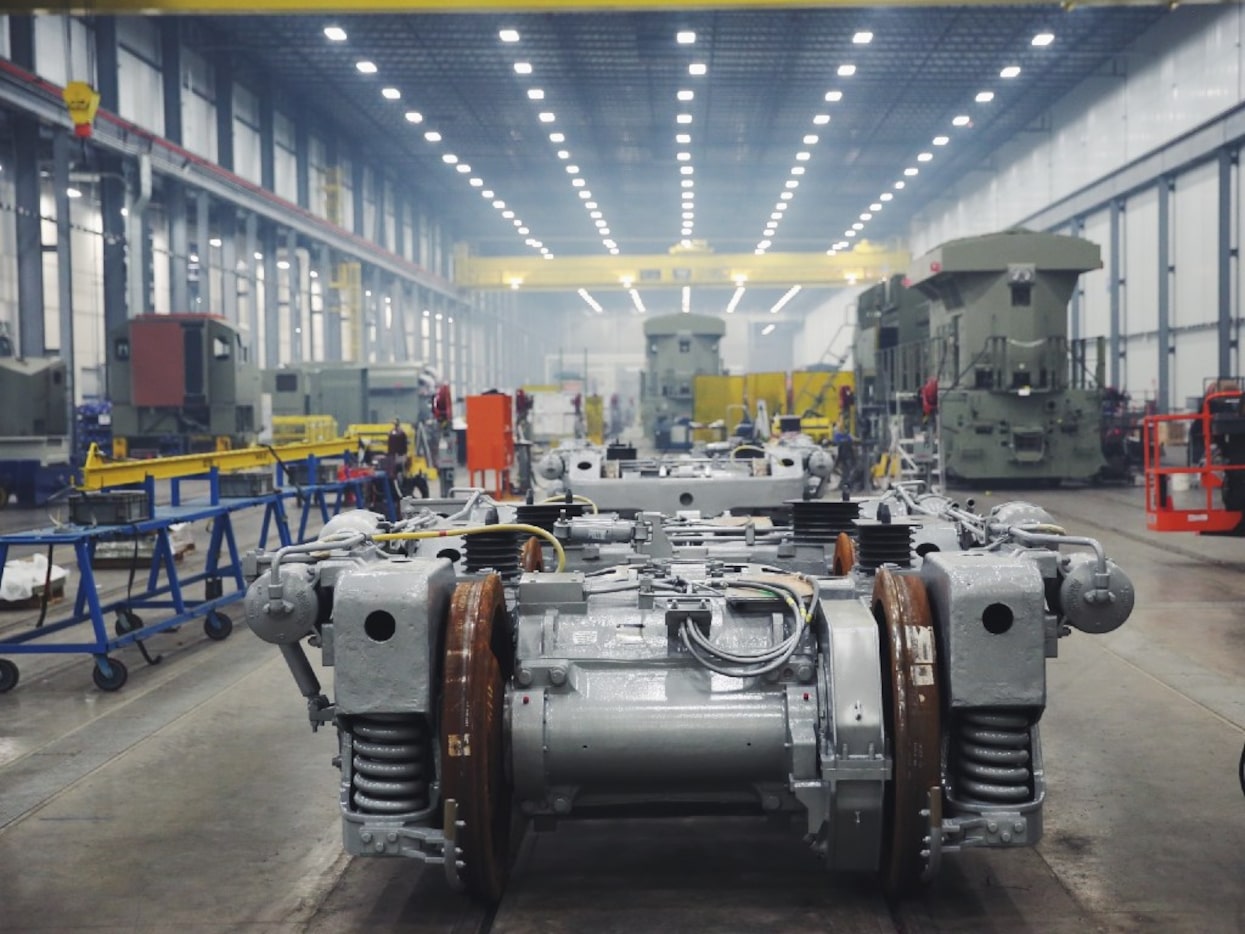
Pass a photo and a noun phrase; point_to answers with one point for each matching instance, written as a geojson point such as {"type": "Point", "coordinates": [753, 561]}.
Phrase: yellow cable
{"type": "Point", "coordinates": [574, 496]}
{"type": "Point", "coordinates": [477, 530]}
{"type": "Point", "coordinates": [746, 447]}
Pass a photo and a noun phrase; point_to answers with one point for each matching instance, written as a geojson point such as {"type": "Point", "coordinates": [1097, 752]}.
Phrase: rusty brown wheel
{"type": "Point", "coordinates": [844, 555]}
{"type": "Point", "coordinates": [531, 558]}
{"type": "Point", "coordinates": [913, 713]}
{"type": "Point", "coordinates": [472, 770]}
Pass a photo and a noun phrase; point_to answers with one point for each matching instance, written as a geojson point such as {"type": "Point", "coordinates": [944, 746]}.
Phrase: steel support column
{"type": "Point", "coordinates": [272, 306]}
{"type": "Point", "coordinates": [267, 137]}
{"type": "Point", "coordinates": [252, 283]}
{"type": "Point", "coordinates": [1165, 269]}
{"type": "Point", "coordinates": [203, 214]}
{"type": "Point", "coordinates": [332, 323]}
{"type": "Point", "coordinates": [227, 229]}
{"type": "Point", "coordinates": [378, 190]}
{"type": "Point", "coordinates": [1224, 255]}
{"type": "Point", "coordinates": [223, 93]}
{"type": "Point", "coordinates": [399, 234]}
{"type": "Point", "coordinates": [302, 162]}
{"type": "Point", "coordinates": [171, 74]}
{"type": "Point", "coordinates": [31, 341]}
{"type": "Point", "coordinates": [294, 280]}
{"type": "Point", "coordinates": [64, 272]}
{"type": "Point", "coordinates": [179, 248]}
{"type": "Point", "coordinates": [357, 176]}
{"type": "Point", "coordinates": [1114, 267]}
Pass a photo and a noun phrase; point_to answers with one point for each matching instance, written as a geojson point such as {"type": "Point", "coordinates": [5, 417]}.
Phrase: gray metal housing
{"type": "Point", "coordinates": [677, 349]}
{"type": "Point", "coordinates": [39, 384]}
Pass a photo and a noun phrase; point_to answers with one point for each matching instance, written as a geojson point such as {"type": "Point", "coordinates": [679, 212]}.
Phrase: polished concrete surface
{"type": "Point", "coordinates": [197, 798]}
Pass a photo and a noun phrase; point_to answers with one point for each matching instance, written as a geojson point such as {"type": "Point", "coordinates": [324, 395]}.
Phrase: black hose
{"type": "Point", "coordinates": [47, 592]}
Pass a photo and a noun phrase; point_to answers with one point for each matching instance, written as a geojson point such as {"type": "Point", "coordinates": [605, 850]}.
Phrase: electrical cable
{"type": "Point", "coordinates": [479, 530]}
{"type": "Point", "coordinates": [575, 497]}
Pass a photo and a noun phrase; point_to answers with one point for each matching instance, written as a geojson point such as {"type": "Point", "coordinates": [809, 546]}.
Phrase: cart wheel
{"type": "Point", "coordinates": [113, 682]}
{"type": "Point", "coordinates": [8, 675]}
{"type": "Point", "coordinates": [127, 621]}
{"type": "Point", "coordinates": [217, 626]}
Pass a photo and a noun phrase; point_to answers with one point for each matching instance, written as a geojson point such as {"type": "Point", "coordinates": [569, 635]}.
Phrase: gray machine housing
{"type": "Point", "coordinates": [352, 393]}
{"type": "Point", "coordinates": [39, 382]}
{"type": "Point", "coordinates": [678, 348]}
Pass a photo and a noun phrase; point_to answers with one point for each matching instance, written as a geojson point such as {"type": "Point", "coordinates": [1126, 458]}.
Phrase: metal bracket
{"type": "Point", "coordinates": [449, 829]}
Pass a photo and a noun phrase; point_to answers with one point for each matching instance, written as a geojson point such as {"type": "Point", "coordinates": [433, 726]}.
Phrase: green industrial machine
{"type": "Point", "coordinates": [353, 393]}
{"type": "Point", "coordinates": [679, 347]}
{"type": "Point", "coordinates": [1011, 404]}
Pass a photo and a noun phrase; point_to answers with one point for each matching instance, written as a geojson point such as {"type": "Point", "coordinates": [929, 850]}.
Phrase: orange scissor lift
{"type": "Point", "coordinates": [1199, 507]}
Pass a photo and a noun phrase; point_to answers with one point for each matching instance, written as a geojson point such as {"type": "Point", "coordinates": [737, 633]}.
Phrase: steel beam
{"type": "Point", "coordinates": [302, 162]}
{"type": "Point", "coordinates": [294, 284]}
{"type": "Point", "coordinates": [267, 137]}
{"type": "Point", "coordinates": [223, 94]}
{"type": "Point", "coordinates": [1224, 255]}
{"type": "Point", "coordinates": [179, 248]}
{"type": "Point", "coordinates": [1165, 269]}
{"type": "Point", "coordinates": [533, 273]}
{"type": "Point", "coordinates": [272, 306]}
{"type": "Point", "coordinates": [31, 341]}
{"type": "Point", "coordinates": [251, 247]}
{"type": "Point", "coordinates": [64, 274]}
{"type": "Point", "coordinates": [171, 73]}
{"type": "Point", "coordinates": [331, 301]}
{"type": "Point", "coordinates": [1114, 282]}
{"type": "Point", "coordinates": [203, 214]}
{"type": "Point", "coordinates": [227, 229]}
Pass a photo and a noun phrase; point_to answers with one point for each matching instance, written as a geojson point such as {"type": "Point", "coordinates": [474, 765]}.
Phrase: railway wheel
{"type": "Point", "coordinates": [531, 558]}
{"type": "Point", "coordinates": [9, 675]}
{"type": "Point", "coordinates": [473, 771]}
{"type": "Point", "coordinates": [913, 710]}
{"type": "Point", "coordinates": [114, 679]}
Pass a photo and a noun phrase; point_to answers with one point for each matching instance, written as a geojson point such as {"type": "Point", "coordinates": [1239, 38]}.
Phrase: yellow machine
{"type": "Point", "coordinates": [293, 429]}
{"type": "Point", "coordinates": [377, 435]}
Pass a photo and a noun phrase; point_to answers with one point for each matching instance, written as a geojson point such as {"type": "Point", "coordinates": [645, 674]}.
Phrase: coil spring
{"type": "Point", "coordinates": [884, 543]}
{"type": "Point", "coordinates": [391, 765]}
{"type": "Point", "coordinates": [993, 758]}
{"type": "Point", "coordinates": [821, 521]}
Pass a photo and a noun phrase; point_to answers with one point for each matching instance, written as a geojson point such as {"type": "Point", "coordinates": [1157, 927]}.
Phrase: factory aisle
{"type": "Point", "coordinates": [197, 798]}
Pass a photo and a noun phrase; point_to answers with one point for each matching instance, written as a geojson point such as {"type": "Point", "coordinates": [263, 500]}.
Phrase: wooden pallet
{"type": "Point", "coordinates": [36, 600]}
{"type": "Point", "coordinates": [143, 563]}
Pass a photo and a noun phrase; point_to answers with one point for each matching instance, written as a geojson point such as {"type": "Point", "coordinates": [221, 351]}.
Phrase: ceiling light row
{"type": "Point", "coordinates": [959, 121]}
{"type": "Point", "coordinates": [683, 156]}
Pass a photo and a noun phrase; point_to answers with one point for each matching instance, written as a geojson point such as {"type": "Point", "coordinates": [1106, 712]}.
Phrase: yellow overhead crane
{"type": "Point", "coordinates": [865, 263]}
{"type": "Point", "coordinates": [98, 7]}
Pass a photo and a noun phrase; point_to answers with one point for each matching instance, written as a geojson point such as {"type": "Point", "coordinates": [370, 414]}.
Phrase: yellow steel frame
{"type": "Point", "coordinates": [495, 6]}
{"type": "Point", "coordinates": [865, 263]}
{"type": "Point", "coordinates": [99, 473]}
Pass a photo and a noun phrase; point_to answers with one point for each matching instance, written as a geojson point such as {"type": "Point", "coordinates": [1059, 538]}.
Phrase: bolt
{"type": "Point", "coordinates": [804, 671]}
{"type": "Point", "coordinates": [391, 837]}
{"type": "Point", "coordinates": [769, 802]}
{"type": "Point", "coordinates": [561, 804]}
{"type": "Point", "coordinates": [365, 837]}
{"type": "Point", "coordinates": [528, 807]}
{"type": "Point", "coordinates": [1006, 836]}
{"type": "Point", "coordinates": [993, 827]}
{"type": "Point", "coordinates": [557, 676]}
{"type": "Point", "coordinates": [1019, 826]}
{"type": "Point", "coordinates": [380, 846]}
{"type": "Point", "coordinates": [525, 676]}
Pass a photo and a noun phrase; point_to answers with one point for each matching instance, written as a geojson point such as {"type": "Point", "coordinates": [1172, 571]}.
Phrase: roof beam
{"type": "Point", "coordinates": [504, 6]}
{"type": "Point", "coordinates": [866, 263]}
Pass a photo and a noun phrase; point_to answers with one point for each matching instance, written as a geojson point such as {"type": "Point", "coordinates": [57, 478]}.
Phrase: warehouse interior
{"type": "Point", "coordinates": [569, 465]}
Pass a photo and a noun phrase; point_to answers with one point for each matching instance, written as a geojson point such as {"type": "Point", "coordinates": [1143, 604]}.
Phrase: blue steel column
{"type": "Point", "coordinates": [203, 214]}
{"type": "Point", "coordinates": [30, 331]}
{"type": "Point", "coordinates": [294, 280]}
{"type": "Point", "coordinates": [272, 309]}
{"type": "Point", "coordinates": [179, 247]}
{"type": "Point", "coordinates": [171, 73]}
{"type": "Point", "coordinates": [1113, 292]}
{"type": "Point", "coordinates": [378, 189]}
{"type": "Point", "coordinates": [64, 271]}
{"type": "Point", "coordinates": [1224, 255]}
{"type": "Point", "coordinates": [1165, 269]}
{"type": "Point", "coordinates": [112, 198]}
{"type": "Point", "coordinates": [223, 94]}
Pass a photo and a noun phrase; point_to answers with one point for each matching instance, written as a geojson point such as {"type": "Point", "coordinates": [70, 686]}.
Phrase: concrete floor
{"type": "Point", "coordinates": [196, 798]}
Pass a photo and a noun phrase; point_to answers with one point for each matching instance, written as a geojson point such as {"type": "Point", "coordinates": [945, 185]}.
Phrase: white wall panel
{"type": "Point", "coordinates": [1096, 306]}
{"type": "Point", "coordinates": [64, 50]}
{"type": "Point", "coordinates": [1193, 361]}
{"type": "Point", "coordinates": [1195, 239]}
{"type": "Point", "coordinates": [141, 91]}
{"type": "Point", "coordinates": [198, 105]}
{"type": "Point", "coordinates": [1141, 366]}
{"type": "Point", "coordinates": [1140, 306]}
{"type": "Point", "coordinates": [246, 148]}
{"type": "Point", "coordinates": [829, 326]}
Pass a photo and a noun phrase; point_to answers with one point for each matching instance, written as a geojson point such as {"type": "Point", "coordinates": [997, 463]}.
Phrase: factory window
{"type": "Point", "coordinates": [287, 382]}
{"type": "Point", "coordinates": [685, 345]}
{"type": "Point", "coordinates": [1021, 295]}
{"type": "Point", "coordinates": [220, 348]}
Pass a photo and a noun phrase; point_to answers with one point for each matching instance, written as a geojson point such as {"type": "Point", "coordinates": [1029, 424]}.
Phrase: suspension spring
{"type": "Point", "coordinates": [496, 550]}
{"type": "Point", "coordinates": [392, 764]}
{"type": "Point", "coordinates": [993, 758]}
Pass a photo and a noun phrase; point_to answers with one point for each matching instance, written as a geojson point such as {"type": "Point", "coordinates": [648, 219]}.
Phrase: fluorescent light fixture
{"type": "Point", "coordinates": [687, 183]}
{"type": "Point", "coordinates": [449, 158]}
{"type": "Point", "coordinates": [781, 206]}
{"type": "Point", "coordinates": [734, 302]}
{"type": "Point", "coordinates": [862, 38]}
{"type": "Point", "coordinates": [858, 226]}
{"type": "Point", "coordinates": [866, 216]}
{"type": "Point", "coordinates": [337, 34]}
{"type": "Point", "coordinates": [572, 170]}
{"type": "Point", "coordinates": [592, 302]}
{"type": "Point", "coordinates": [507, 214]}
{"type": "Point", "coordinates": [803, 156]}
{"type": "Point", "coordinates": [683, 138]}
{"type": "Point", "coordinates": [686, 304]}
{"type": "Point", "coordinates": [911, 170]}
{"type": "Point", "coordinates": [765, 244]}
{"type": "Point", "coordinates": [557, 137]}
{"type": "Point", "coordinates": [414, 116]}
{"type": "Point", "coordinates": [886, 196]}
{"type": "Point", "coordinates": [258, 255]}
{"type": "Point", "coordinates": [499, 204]}
{"type": "Point", "coordinates": [391, 94]}
{"type": "Point", "coordinates": [547, 117]}
{"type": "Point", "coordinates": [961, 120]}
{"type": "Point", "coordinates": [600, 222]}
{"type": "Point", "coordinates": [73, 193]}
{"type": "Point", "coordinates": [524, 231]}
{"type": "Point", "coordinates": [900, 185]}
{"type": "Point", "coordinates": [797, 170]}
{"type": "Point", "coordinates": [776, 216]}
{"type": "Point", "coordinates": [522, 68]}
{"type": "Point", "coordinates": [508, 35]}
{"type": "Point", "coordinates": [477, 183]}
{"type": "Point", "coordinates": [811, 139]}
{"type": "Point", "coordinates": [758, 252]}
{"type": "Point", "coordinates": [875, 206]}
{"type": "Point", "coordinates": [590, 205]}
{"type": "Point", "coordinates": [689, 216]}
{"type": "Point", "coordinates": [635, 300]}
{"type": "Point", "coordinates": [984, 97]}
{"type": "Point", "coordinates": [432, 136]}
{"type": "Point", "coordinates": [613, 251]}
{"type": "Point", "coordinates": [595, 215]}
{"type": "Point", "coordinates": [767, 330]}
{"type": "Point", "coordinates": [313, 274]}
{"type": "Point", "coordinates": [834, 96]}
{"type": "Point", "coordinates": [688, 205]}
{"type": "Point", "coordinates": [1043, 39]}
{"type": "Point", "coordinates": [427, 313]}
{"type": "Point", "coordinates": [366, 67]}
{"type": "Point", "coordinates": [791, 293]}
{"type": "Point", "coordinates": [535, 94]}
{"type": "Point", "coordinates": [517, 223]}
{"type": "Point", "coordinates": [941, 140]}
{"type": "Point", "coordinates": [686, 95]}
{"type": "Point", "coordinates": [577, 183]}
{"type": "Point", "coordinates": [924, 156]}
{"type": "Point", "coordinates": [282, 264]}
{"type": "Point", "coordinates": [792, 183]}
{"type": "Point", "coordinates": [687, 169]}
{"type": "Point", "coordinates": [846, 71]}
{"type": "Point", "coordinates": [683, 119]}
{"type": "Point", "coordinates": [787, 195]}
{"type": "Point", "coordinates": [609, 243]}
{"type": "Point", "coordinates": [585, 194]}
{"type": "Point", "coordinates": [604, 231]}
{"type": "Point", "coordinates": [215, 241]}
{"type": "Point", "coordinates": [486, 193]}
{"type": "Point", "coordinates": [697, 69]}
{"type": "Point", "coordinates": [685, 37]}
{"type": "Point", "coordinates": [463, 168]}
{"type": "Point", "coordinates": [821, 119]}
{"type": "Point", "coordinates": [683, 156]}
{"type": "Point", "coordinates": [1011, 71]}
{"type": "Point", "coordinates": [564, 153]}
